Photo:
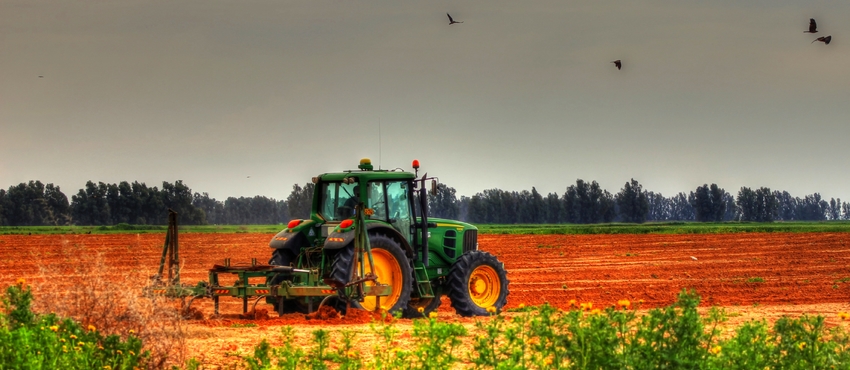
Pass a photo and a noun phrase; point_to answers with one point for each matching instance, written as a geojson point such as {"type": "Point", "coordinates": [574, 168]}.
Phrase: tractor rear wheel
{"type": "Point", "coordinates": [391, 268]}
{"type": "Point", "coordinates": [477, 281]}
{"type": "Point", "coordinates": [284, 257]}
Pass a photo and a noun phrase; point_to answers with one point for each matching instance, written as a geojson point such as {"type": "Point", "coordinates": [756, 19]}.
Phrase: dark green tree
{"type": "Point", "coordinates": [34, 204]}
{"type": "Point", "coordinates": [5, 206]}
{"type": "Point", "coordinates": [213, 209]}
{"type": "Point", "coordinates": [709, 203]}
{"type": "Point", "coordinates": [586, 203]}
{"type": "Point", "coordinates": [787, 205]}
{"type": "Point", "coordinates": [659, 207]}
{"type": "Point", "coordinates": [554, 208]}
{"type": "Point", "coordinates": [58, 204]}
{"type": "Point", "coordinates": [178, 197]}
{"type": "Point", "coordinates": [681, 208]}
{"type": "Point", "coordinates": [633, 202]}
{"type": "Point", "coordinates": [300, 201]}
{"type": "Point", "coordinates": [444, 204]}
{"type": "Point", "coordinates": [758, 205]}
{"type": "Point", "coordinates": [834, 209]}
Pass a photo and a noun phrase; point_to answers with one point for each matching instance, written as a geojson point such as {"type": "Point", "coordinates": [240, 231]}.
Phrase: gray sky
{"type": "Point", "coordinates": [521, 94]}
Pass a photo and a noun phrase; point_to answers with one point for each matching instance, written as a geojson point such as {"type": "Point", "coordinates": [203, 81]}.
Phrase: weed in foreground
{"type": "Point", "coordinates": [116, 307]}
{"type": "Point", "coordinates": [617, 337]}
{"type": "Point", "coordinates": [32, 341]}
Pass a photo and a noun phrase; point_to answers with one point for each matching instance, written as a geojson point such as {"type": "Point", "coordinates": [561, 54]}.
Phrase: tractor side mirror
{"type": "Point", "coordinates": [433, 187]}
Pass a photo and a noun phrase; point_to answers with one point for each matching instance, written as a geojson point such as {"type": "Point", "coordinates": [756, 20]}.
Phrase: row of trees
{"type": "Point", "coordinates": [35, 203]}
{"type": "Point", "coordinates": [585, 203]}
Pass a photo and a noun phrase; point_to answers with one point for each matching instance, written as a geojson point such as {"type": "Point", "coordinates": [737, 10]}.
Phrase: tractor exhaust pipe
{"type": "Point", "coordinates": [423, 226]}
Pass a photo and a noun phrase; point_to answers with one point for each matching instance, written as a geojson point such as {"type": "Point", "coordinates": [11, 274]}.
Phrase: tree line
{"type": "Point", "coordinates": [37, 204]}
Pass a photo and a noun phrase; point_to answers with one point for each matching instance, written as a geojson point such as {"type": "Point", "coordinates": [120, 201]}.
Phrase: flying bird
{"type": "Point", "coordinates": [813, 26]}
{"type": "Point", "coordinates": [452, 21]}
{"type": "Point", "coordinates": [40, 76]}
{"type": "Point", "coordinates": [824, 39]}
{"type": "Point", "coordinates": [618, 63]}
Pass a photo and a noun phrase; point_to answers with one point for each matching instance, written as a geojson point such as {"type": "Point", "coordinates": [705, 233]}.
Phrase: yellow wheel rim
{"type": "Point", "coordinates": [388, 271]}
{"type": "Point", "coordinates": [484, 286]}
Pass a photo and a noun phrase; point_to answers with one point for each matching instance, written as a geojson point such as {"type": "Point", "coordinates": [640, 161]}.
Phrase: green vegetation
{"type": "Point", "coordinates": [541, 337]}
{"type": "Point", "coordinates": [544, 337]}
{"type": "Point", "coordinates": [30, 341]}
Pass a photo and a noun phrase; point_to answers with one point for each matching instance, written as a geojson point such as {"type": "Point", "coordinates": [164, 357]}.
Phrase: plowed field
{"type": "Point", "coordinates": [774, 273]}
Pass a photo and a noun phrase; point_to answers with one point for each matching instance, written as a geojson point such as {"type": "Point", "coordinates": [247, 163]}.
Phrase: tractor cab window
{"type": "Point", "coordinates": [377, 200]}
{"type": "Point", "coordinates": [338, 200]}
{"type": "Point", "coordinates": [391, 202]}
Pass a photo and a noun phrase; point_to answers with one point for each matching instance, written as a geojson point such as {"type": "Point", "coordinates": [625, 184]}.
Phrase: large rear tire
{"type": "Point", "coordinates": [391, 267]}
{"type": "Point", "coordinates": [476, 282]}
{"type": "Point", "coordinates": [284, 257]}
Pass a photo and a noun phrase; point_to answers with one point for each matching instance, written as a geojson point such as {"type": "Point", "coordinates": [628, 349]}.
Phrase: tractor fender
{"type": "Point", "coordinates": [378, 228]}
{"type": "Point", "coordinates": [337, 240]}
{"type": "Point", "coordinates": [289, 240]}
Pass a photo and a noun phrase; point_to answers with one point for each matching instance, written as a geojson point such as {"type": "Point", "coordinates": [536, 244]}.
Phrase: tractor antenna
{"type": "Point", "coordinates": [379, 142]}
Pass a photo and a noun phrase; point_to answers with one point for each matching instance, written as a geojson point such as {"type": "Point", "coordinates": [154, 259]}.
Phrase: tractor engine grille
{"type": "Point", "coordinates": [470, 240]}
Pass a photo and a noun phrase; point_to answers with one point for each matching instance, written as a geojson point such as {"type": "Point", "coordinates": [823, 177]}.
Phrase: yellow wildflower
{"type": "Point", "coordinates": [801, 345]}
{"type": "Point", "coordinates": [522, 305]}
{"type": "Point", "coordinates": [432, 315]}
{"type": "Point", "coordinates": [624, 303]}
{"type": "Point", "coordinates": [595, 311]}
{"type": "Point", "coordinates": [132, 331]}
{"type": "Point", "coordinates": [572, 303]}
{"type": "Point", "coordinates": [491, 309]}
{"type": "Point", "coordinates": [81, 344]}
{"type": "Point", "coordinates": [119, 352]}
{"type": "Point", "coordinates": [715, 350]}
{"type": "Point", "coordinates": [54, 328]}
{"type": "Point", "coordinates": [843, 315]}
{"type": "Point", "coordinates": [586, 306]}
{"type": "Point", "coordinates": [92, 328]}
{"type": "Point", "coordinates": [73, 336]}
{"type": "Point", "coordinates": [421, 309]}
{"type": "Point", "coordinates": [107, 367]}
{"type": "Point", "coordinates": [21, 281]}
{"type": "Point", "coordinates": [62, 340]}
{"type": "Point", "coordinates": [351, 353]}
{"type": "Point", "coordinates": [547, 361]}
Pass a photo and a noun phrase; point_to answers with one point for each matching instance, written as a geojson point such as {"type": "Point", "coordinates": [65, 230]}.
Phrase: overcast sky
{"type": "Point", "coordinates": [244, 98]}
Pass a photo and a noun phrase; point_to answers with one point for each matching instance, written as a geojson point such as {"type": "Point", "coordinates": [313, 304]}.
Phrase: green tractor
{"type": "Point", "coordinates": [419, 259]}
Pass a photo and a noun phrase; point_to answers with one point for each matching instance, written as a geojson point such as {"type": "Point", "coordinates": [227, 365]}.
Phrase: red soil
{"type": "Point", "coordinates": [725, 269]}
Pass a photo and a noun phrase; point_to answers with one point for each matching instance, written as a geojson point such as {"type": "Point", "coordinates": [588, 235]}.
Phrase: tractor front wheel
{"type": "Point", "coordinates": [391, 267]}
{"type": "Point", "coordinates": [477, 282]}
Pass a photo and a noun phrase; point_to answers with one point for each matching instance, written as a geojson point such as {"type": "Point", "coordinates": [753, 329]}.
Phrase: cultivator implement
{"type": "Point", "coordinates": [306, 284]}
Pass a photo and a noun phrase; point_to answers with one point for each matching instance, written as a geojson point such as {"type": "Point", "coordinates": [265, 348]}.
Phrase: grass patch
{"type": "Point", "coordinates": [755, 279]}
